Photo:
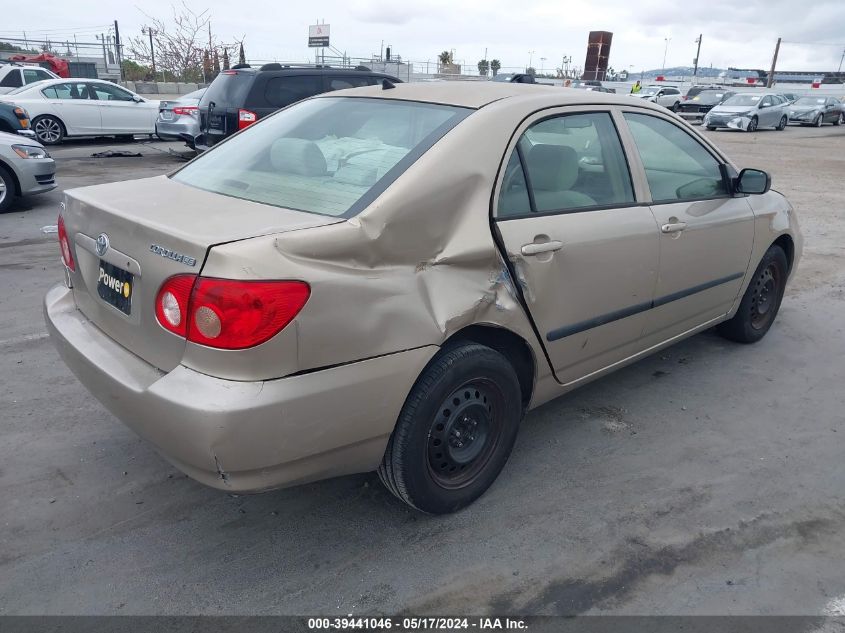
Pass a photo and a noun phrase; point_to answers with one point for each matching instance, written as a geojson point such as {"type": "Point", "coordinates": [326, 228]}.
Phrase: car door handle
{"type": "Point", "coordinates": [542, 247]}
{"type": "Point", "coordinates": [673, 227]}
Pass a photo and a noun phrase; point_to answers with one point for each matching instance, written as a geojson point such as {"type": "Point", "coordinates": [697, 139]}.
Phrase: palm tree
{"type": "Point", "coordinates": [445, 57]}
{"type": "Point", "coordinates": [495, 65]}
{"type": "Point", "coordinates": [483, 67]}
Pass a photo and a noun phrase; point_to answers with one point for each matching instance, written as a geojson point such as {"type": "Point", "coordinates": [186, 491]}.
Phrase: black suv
{"type": "Point", "coordinates": [237, 98]}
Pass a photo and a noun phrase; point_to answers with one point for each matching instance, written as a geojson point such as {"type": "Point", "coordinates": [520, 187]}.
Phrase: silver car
{"type": "Point", "coordinates": [25, 169]}
{"type": "Point", "coordinates": [179, 120]}
{"type": "Point", "coordinates": [815, 110]}
{"type": "Point", "coordinates": [749, 111]}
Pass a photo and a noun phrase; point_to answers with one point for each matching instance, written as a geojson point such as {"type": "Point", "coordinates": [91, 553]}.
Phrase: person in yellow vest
{"type": "Point", "coordinates": [636, 88]}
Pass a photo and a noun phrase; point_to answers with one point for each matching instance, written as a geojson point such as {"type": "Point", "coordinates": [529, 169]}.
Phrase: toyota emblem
{"type": "Point", "coordinates": [102, 244]}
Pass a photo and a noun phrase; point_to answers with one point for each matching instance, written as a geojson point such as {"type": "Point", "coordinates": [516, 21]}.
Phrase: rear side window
{"type": "Point", "coordinates": [570, 162]}
{"type": "Point", "coordinates": [283, 91]}
{"type": "Point", "coordinates": [341, 83]}
{"type": "Point", "coordinates": [12, 79]}
{"type": "Point", "coordinates": [676, 165]}
{"type": "Point", "coordinates": [331, 156]}
{"type": "Point", "coordinates": [228, 89]}
{"type": "Point", "coordinates": [30, 76]}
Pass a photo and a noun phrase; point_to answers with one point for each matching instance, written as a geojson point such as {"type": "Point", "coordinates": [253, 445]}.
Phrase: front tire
{"type": "Point", "coordinates": [761, 301]}
{"type": "Point", "coordinates": [711, 128]}
{"type": "Point", "coordinates": [455, 431]}
{"type": "Point", "coordinates": [7, 190]}
{"type": "Point", "coordinates": [752, 125]}
{"type": "Point", "coordinates": [819, 121]}
{"type": "Point", "coordinates": [49, 130]}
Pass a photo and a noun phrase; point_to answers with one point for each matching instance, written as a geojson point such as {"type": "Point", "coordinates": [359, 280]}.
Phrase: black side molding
{"type": "Point", "coordinates": [603, 319]}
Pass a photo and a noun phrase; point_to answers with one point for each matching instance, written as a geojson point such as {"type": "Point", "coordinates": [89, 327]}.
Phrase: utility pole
{"type": "Point", "coordinates": [102, 38]}
{"type": "Point", "coordinates": [665, 52]}
{"type": "Point", "coordinates": [840, 61]}
{"type": "Point", "coordinates": [117, 49]}
{"type": "Point", "coordinates": [697, 53]}
{"type": "Point", "coordinates": [150, 31]}
{"type": "Point", "coordinates": [771, 80]}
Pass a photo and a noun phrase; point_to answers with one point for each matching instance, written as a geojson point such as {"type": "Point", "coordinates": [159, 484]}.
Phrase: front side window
{"type": "Point", "coordinates": [676, 165]}
{"type": "Point", "coordinates": [570, 162]}
{"type": "Point", "coordinates": [283, 91]}
{"type": "Point", "coordinates": [766, 102]}
{"type": "Point", "coordinates": [331, 155]}
{"type": "Point", "coordinates": [105, 92]}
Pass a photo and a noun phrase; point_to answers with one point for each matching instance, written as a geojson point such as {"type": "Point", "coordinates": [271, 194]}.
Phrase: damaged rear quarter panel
{"type": "Point", "coordinates": [416, 266]}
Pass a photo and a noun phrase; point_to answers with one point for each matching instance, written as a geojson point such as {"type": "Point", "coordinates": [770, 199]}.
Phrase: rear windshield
{"type": "Point", "coordinates": [228, 89]}
{"type": "Point", "coordinates": [330, 156]}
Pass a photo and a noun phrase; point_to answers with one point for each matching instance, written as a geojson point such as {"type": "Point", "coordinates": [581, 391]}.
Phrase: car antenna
{"type": "Point", "coordinates": [386, 84]}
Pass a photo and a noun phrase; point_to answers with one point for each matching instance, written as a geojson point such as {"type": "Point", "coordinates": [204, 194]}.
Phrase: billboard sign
{"type": "Point", "coordinates": [318, 35]}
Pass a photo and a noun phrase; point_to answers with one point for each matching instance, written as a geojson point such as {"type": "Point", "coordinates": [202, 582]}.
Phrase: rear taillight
{"type": "Point", "coordinates": [246, 118]}
{"type": "Point", "coordinates": [228, 313]}
{"type": "Point", "coordinates": [64, 245]}
{"type": "Point", "coordinates": [172, 303]}
{"type": "Point", "coordinates": [188, 110]}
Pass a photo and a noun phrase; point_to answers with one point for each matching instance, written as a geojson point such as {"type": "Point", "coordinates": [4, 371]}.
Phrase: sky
{"type": "Point", "coordinates": [738, 33]}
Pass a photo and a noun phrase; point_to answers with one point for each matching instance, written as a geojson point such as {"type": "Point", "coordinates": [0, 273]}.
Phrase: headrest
{"type": "Point", "coordinates": [298, 156]}
{"type": "Point", "coordinates": [552, 167]}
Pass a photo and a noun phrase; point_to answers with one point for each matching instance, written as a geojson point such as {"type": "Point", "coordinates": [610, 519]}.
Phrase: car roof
{"type": "Point", "coordinates": [477, 94]}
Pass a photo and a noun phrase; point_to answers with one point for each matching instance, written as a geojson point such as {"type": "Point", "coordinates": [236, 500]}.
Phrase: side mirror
{"type": "Point", "coordinates": [137, 99]}
{"type": "Point", "coordinates": [753, 181]}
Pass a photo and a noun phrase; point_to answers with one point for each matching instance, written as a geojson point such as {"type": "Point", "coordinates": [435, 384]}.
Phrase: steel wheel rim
{"type": "Point", "coordinates": [752, 125]}
{"type": "Point", "coordinates": [464, 434]}
{"type": "Point", "coordinates": [764, 296]}
{"type": "Point", "coordinates": [3, 190]}
{"type": "Point", "coordinates": [819, 121]}
{"type": "Point", "coordinates": [48, 130]}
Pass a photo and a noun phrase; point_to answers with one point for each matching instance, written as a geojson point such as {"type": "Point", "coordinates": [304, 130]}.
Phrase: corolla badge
{"type": "Point", "coordinates": [171, 254]}
{"type": "Point", "coordinates": [102, 244]}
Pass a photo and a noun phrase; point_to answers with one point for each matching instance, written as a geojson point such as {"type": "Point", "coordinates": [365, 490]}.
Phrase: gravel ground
{"type": "Point", "coordinates": [706, 479]}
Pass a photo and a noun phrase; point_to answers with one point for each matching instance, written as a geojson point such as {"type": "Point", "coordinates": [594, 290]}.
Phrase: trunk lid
{"type": "Point", "coordinates": [154, 228]}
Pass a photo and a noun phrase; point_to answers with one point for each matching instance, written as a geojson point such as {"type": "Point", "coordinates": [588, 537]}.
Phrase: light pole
{"type": "Point", "coordinates": [150, 31]}
{"type": "Point", "coordinates": [530, 58]}
{"type": "Point", "coordinates": [665, 51]}
{"type": "Point", "coordinates": [542, 64]}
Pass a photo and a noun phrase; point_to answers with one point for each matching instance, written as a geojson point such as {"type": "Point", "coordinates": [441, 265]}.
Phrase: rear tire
{"type": "Point", "coordinates": [676, 106]}
{"type": "Point", "coordinates": [839, 119]}
{"type": "Point", "coordinates": [783, 122]}
{"type": "Point", "coordinates": [711, 128]}
{"type": "Point", "coordinates": [49, 130]}
{"type": "Point", "coordinates": [7, 190]}
{"type": "Point", "coordinates": [455, 431]}
{"type": "Point", "coordinates": [761, 301]}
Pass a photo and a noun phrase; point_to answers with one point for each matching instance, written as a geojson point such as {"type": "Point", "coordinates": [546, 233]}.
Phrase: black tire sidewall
{"type": "Point", "coordinates": [742, 319]}
{"type": "Point", "coordinates": [11, 190]}
{"type": "Point", "coordinates": [61, 129]}
{"type": "Point", "coordinates": [465, 363]}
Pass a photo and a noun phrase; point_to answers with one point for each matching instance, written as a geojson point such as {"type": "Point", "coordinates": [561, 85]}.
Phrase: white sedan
{"type": "Point", "coordinates": [83, 107]}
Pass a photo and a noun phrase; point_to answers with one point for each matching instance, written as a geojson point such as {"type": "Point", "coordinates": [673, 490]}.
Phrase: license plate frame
{"type": "Point", "coordinates": [115, 286]}
{"type": "Point", "coordinates": [166, 115]}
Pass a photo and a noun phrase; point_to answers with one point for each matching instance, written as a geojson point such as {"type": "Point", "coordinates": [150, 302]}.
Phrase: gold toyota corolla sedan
{"type": "Point", "coordinates": [390, 277]}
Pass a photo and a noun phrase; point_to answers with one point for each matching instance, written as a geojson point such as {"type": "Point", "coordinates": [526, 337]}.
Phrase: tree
{"type": "Point", "coordinates": [445, 57]}
{"type": "Point", "coordinates": [216, 64]}
{"type": "Point", "coordinates": [133, 71]}
{"type": "Point", "coordinates": [179, 43]}
{"type": "Point", "coordinates": [495, 65]}
{"type": "Point", "coordinates": [5, 46]}
{"type": "Point", "coordinates": [241, 56]}
{"type": "Point", "coordinates": [206, 66]}
{"type": "Point", "coordinates": [531, 71]}
{"type": "Point", "coordinates": [483, 67]}
{"type": "Point", "coordinates": [225, 59]}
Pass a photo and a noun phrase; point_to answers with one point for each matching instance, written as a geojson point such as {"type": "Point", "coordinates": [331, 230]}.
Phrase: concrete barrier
{"type": "Point", "coordinates": [161, 87]}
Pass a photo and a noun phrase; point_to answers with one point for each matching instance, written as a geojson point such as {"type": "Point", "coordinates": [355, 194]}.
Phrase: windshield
{"type": "Point", "coordinates": [650, 91]}
{"type": "Point", "coordinates": [743, 100]}
{"type": "Point", "coordinates": [331, 156]}
{"type": "Point", "coordinates": [709, 97]}
{"type": "Point", "coordinates": [503, 77]}
{"type": "Point", "coordinates": [810, 101]}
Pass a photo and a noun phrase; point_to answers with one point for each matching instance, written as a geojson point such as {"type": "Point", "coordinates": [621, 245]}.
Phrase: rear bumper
{"type": "Point", "coordinates": [177, 131]}
{"type": "Point", "coordinates": [242, 436]}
